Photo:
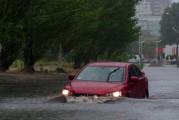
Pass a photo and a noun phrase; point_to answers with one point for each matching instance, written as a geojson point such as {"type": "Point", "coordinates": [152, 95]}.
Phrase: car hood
{"type": "Point", "coordinates": [95, 88]}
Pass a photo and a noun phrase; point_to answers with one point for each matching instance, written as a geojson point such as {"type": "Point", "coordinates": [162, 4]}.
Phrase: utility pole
{"type": "Point", "coordinates": [156, 48]}
{"type": "Point", "coordinates": [176, 47]}
{"type": "Point", "coordinates": [140, 49]}
{"type": "Point", "coordinates": [177, 53]}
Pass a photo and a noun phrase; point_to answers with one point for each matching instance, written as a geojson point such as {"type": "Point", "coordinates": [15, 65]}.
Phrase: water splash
{"type": "Point", "coordinates": [90, 99]}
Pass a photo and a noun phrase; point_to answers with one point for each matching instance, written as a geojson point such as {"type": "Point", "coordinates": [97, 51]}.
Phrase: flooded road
{"type": "Point", "coordinates": [33, 99]}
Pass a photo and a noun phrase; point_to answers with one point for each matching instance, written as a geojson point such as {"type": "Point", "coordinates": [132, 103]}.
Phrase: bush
{"type": "Point", "coordinates": [140, 65]}
{"type": "Point", "coordinates": [46, 62]}
{"type": "Point", "coordinates": [18, 64]}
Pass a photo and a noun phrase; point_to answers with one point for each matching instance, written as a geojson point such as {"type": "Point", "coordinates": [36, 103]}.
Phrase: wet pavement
{"type": "Point", "coordinates": [39, 100]}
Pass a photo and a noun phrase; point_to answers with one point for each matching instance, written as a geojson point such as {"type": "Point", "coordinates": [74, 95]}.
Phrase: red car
{"type": "Point", "coordinates": [114, 79]}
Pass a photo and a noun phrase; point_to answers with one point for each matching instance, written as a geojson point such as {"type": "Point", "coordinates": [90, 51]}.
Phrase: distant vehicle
{"type": "Point", "coordinates": [173, 62]}
{"type": "Point", "coordinates": [146, 61]}
{"type": "Point", "coordinates": [153, 61]}
{"type": "Point", "coordinates": [114, 79]}
{"type": "Point", "coordinates": [136, 59]}
{"type": "Point", "coordinates": [133, 60]}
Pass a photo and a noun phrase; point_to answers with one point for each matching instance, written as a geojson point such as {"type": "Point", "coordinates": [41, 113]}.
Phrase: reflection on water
{"type": "Point", "coordinates": [34, 89]}
{"type": "Point", "coordinates": [29, 90]}
{"type": "Point", "coordinates": [41, 90]}
{"type": "Point", "coordinates": [37, 115]}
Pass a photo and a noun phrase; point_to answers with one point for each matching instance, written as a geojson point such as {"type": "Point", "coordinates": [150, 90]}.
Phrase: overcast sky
{"type": "Point", "coordinates": [175, 0]}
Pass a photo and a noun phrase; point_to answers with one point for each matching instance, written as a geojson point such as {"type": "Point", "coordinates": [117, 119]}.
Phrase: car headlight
{"type": "Point", "coordinates": [117, 94]}
{"type": "Point", "coordinates": [65, 92]}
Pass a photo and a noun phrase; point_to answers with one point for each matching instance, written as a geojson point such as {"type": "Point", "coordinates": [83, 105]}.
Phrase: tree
{"type": "Point", "coordinates": [85, 24]}
{"type": "Point", "coordinates": [169, 22]}
{"type": "Point", "coordinates": [45, 25]}
{"type": "Point", "coordinates": [84, 29]}
{"type": "Point", "coordinates": [39, 32]}
{"type": "Point", "coordinates": [11, 14]}
{"type": "Point", "coordinates": [117, 26]}
{"type": "Point", "coordinates": [104, 29]}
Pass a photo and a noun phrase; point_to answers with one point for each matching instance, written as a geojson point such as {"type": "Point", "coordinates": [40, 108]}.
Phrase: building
{"type": "Point", "coordinates": [158, 6]}
{"type": "Point", "coordinates": [143, 8]}
{"type": "Point", "coordinates": [149, 14]}
{"type": "Point", "coordinates": [170, 49]}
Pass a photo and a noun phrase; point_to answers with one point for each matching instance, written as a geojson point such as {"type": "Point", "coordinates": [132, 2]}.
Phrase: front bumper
{"type": "Point", "coordinates": [90, 99]}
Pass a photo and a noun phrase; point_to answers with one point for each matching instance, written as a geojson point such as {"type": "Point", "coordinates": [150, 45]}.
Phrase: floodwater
{"type": "Point", "coordinates": [37, 98]}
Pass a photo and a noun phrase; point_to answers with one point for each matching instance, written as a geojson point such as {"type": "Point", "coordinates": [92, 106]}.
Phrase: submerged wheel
{"type": "Point", "coordinates": [128, 96]}
{"type": "Point", "coordinates": [146, 95]}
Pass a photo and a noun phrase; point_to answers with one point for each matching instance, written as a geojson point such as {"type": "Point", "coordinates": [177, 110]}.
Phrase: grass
{"type": "Point", "coordinates": [45, 62]}
{"type": "Point", "coordinates": [43, 66]}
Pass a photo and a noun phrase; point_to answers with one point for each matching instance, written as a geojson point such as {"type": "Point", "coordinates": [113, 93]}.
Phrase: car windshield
{"type": "Point", "coordinates": [102, 73]}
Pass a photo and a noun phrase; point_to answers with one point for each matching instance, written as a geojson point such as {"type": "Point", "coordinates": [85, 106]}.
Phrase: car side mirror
{"type": "Point", "coordinates": [134, 79]}
{"type": "Point", "coordinates": [71, 76]}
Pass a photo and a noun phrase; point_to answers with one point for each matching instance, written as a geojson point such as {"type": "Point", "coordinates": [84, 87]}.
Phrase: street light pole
{"type": "Point", "coordinates": [156, 48]}
{"type": "Point", "coordinates": [176, 47]}
{"type": "Point", "coordinates": [177, 53]}
{"type": "Point", "coordinates": [175, 30]}
{"type": "Point", "coordinates": [140, 49]}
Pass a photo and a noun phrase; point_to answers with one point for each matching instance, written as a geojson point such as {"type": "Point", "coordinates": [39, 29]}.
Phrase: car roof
{"type": "Point", "coordinates": [122, 64]}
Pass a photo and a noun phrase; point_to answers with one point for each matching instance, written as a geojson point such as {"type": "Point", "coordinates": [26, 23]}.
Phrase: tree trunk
{"type": "Point", "coordinates": [28, 58]}
{"type": "Point", "coordinates": [3, 62]}
{"type": "Point", "coordinates": [3, 66]}
{"type": "Point", "coordinates": [28, 63]}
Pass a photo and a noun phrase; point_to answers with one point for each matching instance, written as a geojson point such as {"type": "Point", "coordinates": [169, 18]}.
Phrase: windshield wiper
{"type": "Point", "coordinates": [112, 73]}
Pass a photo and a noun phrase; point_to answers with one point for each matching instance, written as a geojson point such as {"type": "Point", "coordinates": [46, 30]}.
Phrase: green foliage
{"type": "Point", "coordinates": [47, 62]}
{"type": "Point", "coordinates": [103, 29]}
{"type": "Point", "coordinates": [39, 31]}
{"type": "Point", "coordinates": [11, 14]}
{"type": "Point", "coordinates": [140, 65]}
{"type": "Point", "coordinates": [81, 30]}
{"type": "Point", "coordinates": [167, 57]}
{"type": "Point", "coordinates": [132, 57]}
{"type": "Point", "coordinates": [116, 56]}
{"type": "Point", "coordinates": [168, 21]}
{"type": "Point", "coordinates": [18, 64]}
{"type": "Point", "coordinates": [171, 57]}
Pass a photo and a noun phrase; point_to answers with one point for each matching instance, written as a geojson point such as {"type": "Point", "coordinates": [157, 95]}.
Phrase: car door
{"type": "Point", "coordinates": [141, 83]}
{"type": "Point", "coordinates": [135, 87]}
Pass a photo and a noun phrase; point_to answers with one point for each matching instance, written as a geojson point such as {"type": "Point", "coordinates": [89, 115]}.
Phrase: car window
{"type": "Point", "coordinates": [102, 73]}
{"type": "Point", "coordinates": [138, 72]}
{"type": "Point", "coordinates": [118, 75]}
{"type": "Point", "coordinates": [134, 71]}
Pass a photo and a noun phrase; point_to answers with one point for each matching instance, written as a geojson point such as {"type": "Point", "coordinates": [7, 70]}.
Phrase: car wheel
{"type": "Point", "coordinates": [146, 95]}
{"type": "Point", "coordinates": [128, 96]}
